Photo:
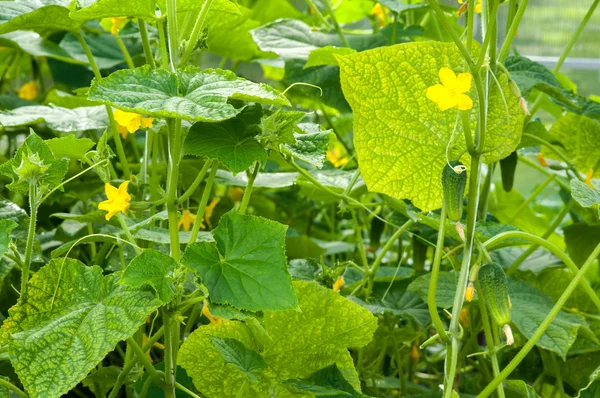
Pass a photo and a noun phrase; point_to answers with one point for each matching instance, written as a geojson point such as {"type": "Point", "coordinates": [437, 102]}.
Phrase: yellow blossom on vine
{"type": "Point", "coordinates": [451, 93]}
{"type": "Point", "coordinates": [337, 155]}
{"type": "Point", "coordinates": [129, 122]}
{"type": "Point", "coordinates": [541, 159]}
{"type": "Point", "coordinates": [28, 91]}
{"type": "Point", "coordinates": [477, 5]}
{"type": "Point", "coordinates": [588, 178]}
{"type": "Point", "coordinates": [117, 199]}
{"type": "Point", "coordinates": [379, 12]}
{"type": "Point", "coordinates": [338, 284]}
{"type": "Point", "coordinates": [236, 194]}
{"type": "Point", "coordinates": [470, 293]}
{"type": "Point", "coordinates": [211, 317]}
{"type": "Point", "coordinates": [464, 317]}
{"type": "Point", "coordinates": [114, 24]}
{"type": "Point", "coordinates": [187, 220]}
{"type": "Point", "coordinates": [209, 211]}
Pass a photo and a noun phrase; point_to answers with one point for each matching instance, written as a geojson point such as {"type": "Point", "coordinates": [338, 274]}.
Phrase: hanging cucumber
{"type": "Point", "coordinates": [454, 181]}
{"type": "Point", "coordinates": [494, 286]}
{"type": "Point", "coordinates": [508, 166]}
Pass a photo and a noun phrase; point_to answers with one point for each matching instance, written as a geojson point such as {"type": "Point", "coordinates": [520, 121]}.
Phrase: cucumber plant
{"type": "Point", "coordinates": [266, 198]}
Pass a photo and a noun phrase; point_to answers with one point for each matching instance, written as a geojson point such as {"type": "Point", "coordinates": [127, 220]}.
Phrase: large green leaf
{"type": "Point", "coordinates": [230, 141]}
{"type": "Point", "coordinates": [581, 240]}
{"type": "Point", "coordinates": [155, 269]}
{"type": "Point", "coordinates": [327, 382]}
{"type": "Point", "coordinates": [34, 44]}
{"type": "Point", "coordinates": [530, 307]}
{"type": "Point", "coordinates": [229, 36]}
{"type": "Point", "coordinates": [84, 10]}
{"type": "Point", "coordinates": [246, 267]}
{"type": "Point", "coordinates": [70, 147]}
{"type": "Point", "coordinates": [237, 354]}
{"type": "Point", "coordinates": [402, 303]}
{"type": "Point", "coordinates": [57, 118]}
{"type": "Point", "coordinates": [70, 319]}
{"type": "Point", "coordinates": [189, 94]}
{"type": "Point", "coordinates": [225, 6]}
{"type": "Point", "coordinates": [294, 344]}
{"type": "Point", "coordinates": [401, 136]}
{"type": "Point", "coordinates": [35, 15]}
{"type": "Point", "coordinates": [579, 137]}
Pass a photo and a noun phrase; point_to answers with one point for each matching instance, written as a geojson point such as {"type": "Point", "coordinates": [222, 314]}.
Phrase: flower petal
{"type": "Point", "coordinates": [463, 82]}
{"type": "Point", "coordinates": [147, 122]}
{"type": "Point", "coordinates": [110, 190]}
{"type": "Point", "coordinates": [437, 93]}
{"type": "Point", "coordinates": [134, 125]}
{"type": "Point", "coordinates": [448, 78]}
{"type": "Point", "coordinates": [124, 118]}
{"type": "Point", "coordinates": [464, 102]}
{"type": "Point", "coordinates": [448, 102]}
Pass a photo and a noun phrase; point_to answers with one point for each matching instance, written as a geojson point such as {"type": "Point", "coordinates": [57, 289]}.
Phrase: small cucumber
{"type": "Point", "coordinates": [454, 189]}
{"type": "Point", "coordinates": [508, 166]}
{"type": "Point", "coordinates": [494, 286]}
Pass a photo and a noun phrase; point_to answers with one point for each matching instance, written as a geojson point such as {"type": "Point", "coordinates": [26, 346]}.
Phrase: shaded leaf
{"type": "Point", "coordinates": [153, 268]}
{"type": "Point", "coordinates": [57, 118]}
{"type": "Point", "coordinates": [235, 353]}
{"type": "Point", "coordinates": [35, 15]}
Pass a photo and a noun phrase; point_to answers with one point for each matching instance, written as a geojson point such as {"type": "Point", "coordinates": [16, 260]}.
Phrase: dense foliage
{"type": "Point", "coordinates": [273, 198]}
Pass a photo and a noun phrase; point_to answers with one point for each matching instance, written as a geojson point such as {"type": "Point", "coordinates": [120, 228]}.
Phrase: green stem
{"type": "Point", "coordinates": [485, 193]}
{"type": "Point", "coordinates": [360, 243]}
{"type": "Point", "coordinates": [435, 272]}
{"type": "Point", "coordinates": [14, 388]}
{"type": "Point", "coordinates": [575, 36]}
{"type": "Point", "coordinates": [141, 356]}
{"type": "Point", "coordinates": [70, 179]}
{"type": "Point", "coordinates": [394, 29]}
{"type": "Point", "coordinates": [489, 337]}
{"type": "Point", "coordinates": [312, 5]}
{"type": "Point", "coordinates": [111, 118]}
{"type": "Point", "coordinates": [198, 28]}
{"type": "Point", "coordinates": [187, 391]}
{"type": "Point", "coordinates": [510, 36]}
{"type": "Point", "coordinates": [33, 206]}
{"type": "Point", "coordinates": [336, 25]}
{"type": "Point", "coordinates": [498, 239]}
{"type": "Point", "coordinates": [248, 190]}
{"type": "Point", "coordinates": [162, 42]}
{"type": "Point", "coordinates": [204, 201]}
{"type": "Point", "coordinates": [125, 52]}
{"type": "Point", "coordinates": [467, 131]}
{"type": "Point", "coordinates": [125, 228]}
{"type": "Point", "coordinates": [556, 151]}
{"type": "Point", "coordinates": [544, 170]}
{"type": "Point", "coordinates": [192, 188]}
{"type": "Point", "coordinates": [470, 23]}
{"type": "Point", "coordinates": [551, 228]}
{"type": "Point", "coordinates": [146, 43]}
{"type": "Point", "coordinates": [173, 34]}
{"type": "Point", "coordinates": [452, 349]}
{"type": "Point", "coordinates": [169, 350]}
{"type": "Point", "coordinates": [543, 326]}
{"type": "Point", "coordinates": [172, 182]}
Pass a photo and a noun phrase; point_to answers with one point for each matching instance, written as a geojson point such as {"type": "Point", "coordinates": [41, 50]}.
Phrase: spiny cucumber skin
{"type": "Point", "coordinates": [494, 286]}
{"type": "Point", "coordinates": [454, 190]}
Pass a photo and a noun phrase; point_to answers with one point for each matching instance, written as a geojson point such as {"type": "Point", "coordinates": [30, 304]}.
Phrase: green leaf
{"type": "Point", "coordinates": [57, 118]}
{"type": "Point", "coordinates": [537, 129]}
{"type": "Point", "coordinates": [153, 268]}
{"type": "Point", "coordinates": [326, 55]}
{"type": "Point", "coordinates": [294, 344]}
{"type": "Point", "coordinates": [302, 246]}
{"type": "Point", "coordinates": [84, 10]}
{"type": "Point", "coordinates": [70, 319]}
{"type": "Point", "coordinates": [246, 267]}
{"type": "Point", "coordinates": [229, 35]}
{"type": "Point", "coordinates": [521, 388]}
{"type": "Point", "coordinates": [5, 227]}
{"type": "Point", "coordinates": [104, 48]}
{"type": "Point", "coordinates": [311, 147]}
{"type": "Point", "coordinates": [304, 269]}
{"type": "Point", "coordinates": [224, 6]}
{"type": "Point", "coordinates": [399, 6]}
{"type": "Point", "coordinates": [102, 380]}
{"type": "Point", "coordinates": [231, 141]}
{"type": "Point", "coordinates": [70, 147]}
{"type": "Point", "coordinates": [530, 307]}
{"type": "Point", "coordinates": [62, 99]}
{"type": "Point", "coordinates": [401, 136]}
{"type": "Point", "coordinates": [50, 171]}
{"type": "Point", "coordinates": [327, 382]}
{"type": "Point", "coordinates": [263, 180]}
{"type": "Point", "coordinates": [279, 127]}
{"type": "Point", "coordinates": [444, 292]}
{"type": "Point", "coordinates": [189, 94]}
{"type": "Point", "coordinates": [579, 138]}
{"type": "Point", "coordinates": [235, 353]}
{"type": "Point", "coordinates": [404, 304]}
{"type": "Point", "coordinates": [35, 15]}
{"type": "Point", "coordinates": [34, 44]}
{"type": "Point", "coordinates": [581, 240]}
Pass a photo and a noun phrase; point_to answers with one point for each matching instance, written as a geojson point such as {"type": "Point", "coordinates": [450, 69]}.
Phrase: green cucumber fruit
{"type": "Point", "coordinates": [494, 286]}
{"type": "Point", "coordinates": [454, 190]}
{"type": "Point", "coordinates": [508, 166]}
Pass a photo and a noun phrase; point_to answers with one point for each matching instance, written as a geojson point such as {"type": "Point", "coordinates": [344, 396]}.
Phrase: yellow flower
{"type": "Point", "coordinates": [477, 6]}
{"type": "Point", "coordinates": [588, 178]}
{"type": "Point", "coordinates": [128, 122]}
{"type": "Point", "coordinates": [379, 12]}
{"type": "Point", "coordinates": [118, 199]}
{"type": "Point", "coordinates": [339, 282]}
{"type": "Point", "coordinates": [541, 159]}
{"type": "Point", "coordinates": [28, 91]}
{"type": "Point", "coordinates": [451, 93]}
{"type": "Point", "coordinates": [186, 220]}
{"type": "Point", "coordinates": [464, 317]}
{"type": "Point", "coordinates": [114, 24]}
{"type": "Point", "coordinates": [236, 194]}
{"type": "Point", "coordinates": [211, 317]}
{"type": "Point", "coordinates": [337, 155]}
{"type": "Point", "coordinates": [209, 211]}
{"type": "Point", "coordinates": [470, 293]}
